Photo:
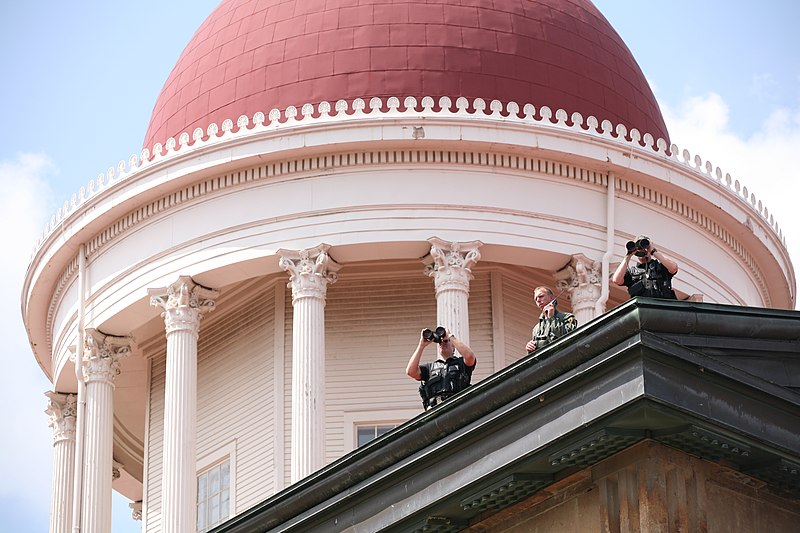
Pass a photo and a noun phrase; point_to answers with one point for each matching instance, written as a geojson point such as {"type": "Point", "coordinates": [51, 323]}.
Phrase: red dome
{"type": "Point", "coordinates": [256, 55]}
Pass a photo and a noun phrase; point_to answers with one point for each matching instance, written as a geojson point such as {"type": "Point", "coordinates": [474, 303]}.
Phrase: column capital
{"type": "Point", "coordinates": [101, 355]}
{"type": "Point", "coordinates": [136, 510]}
{"type": "Point", "coordinates": [310, 271]}
{"type": "Point", "coordinates": [61, 411]}
{"type": "Point", "coordinates": [183, 304]}
{"type": "Point", "coordinates": [452, 263]}
{"type": "Point", "coordinates": [582, 279]}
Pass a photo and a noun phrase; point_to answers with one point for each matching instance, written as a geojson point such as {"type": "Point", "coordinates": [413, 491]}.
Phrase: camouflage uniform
{"type": "Point", "coordinates": [547, 330]}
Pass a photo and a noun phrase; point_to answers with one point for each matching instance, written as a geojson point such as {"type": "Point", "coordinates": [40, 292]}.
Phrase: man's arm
{"type": "Point", "coordinates": [619, 274]}
{"type": "Point", "coordinates": [412, 369]}
{"type": "Point", "coordinates": [465, 351]}
{"type": "Point", "coordinates": [669, 263]}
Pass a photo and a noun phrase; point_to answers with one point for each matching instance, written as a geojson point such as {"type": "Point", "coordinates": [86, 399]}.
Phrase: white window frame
{"type": "Point", "coordinates": [211, 459]}
{"type": "Point", "coordinates": [384, 417]}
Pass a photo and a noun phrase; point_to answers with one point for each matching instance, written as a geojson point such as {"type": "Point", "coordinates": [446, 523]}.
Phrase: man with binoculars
{"type": "Point", "coordinates": [447, 375]}
{"type": "Point", "coordinates": [651, 274]}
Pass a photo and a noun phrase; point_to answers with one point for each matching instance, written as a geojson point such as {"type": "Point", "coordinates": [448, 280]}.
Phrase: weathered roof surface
{"type": "Point", "coordinates": [716, 381]}
{"type": "Point", "coordinates": [256, 55]}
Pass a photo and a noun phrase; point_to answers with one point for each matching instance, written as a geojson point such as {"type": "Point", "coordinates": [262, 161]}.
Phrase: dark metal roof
{"type": "Point", "coordinates": [720, 382]}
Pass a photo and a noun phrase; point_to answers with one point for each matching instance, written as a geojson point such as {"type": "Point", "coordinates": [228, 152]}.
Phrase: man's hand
{"type": "Point", "coordinates": [422, 340]}
{"type": "Point", "coordinates": [549, 310]}
{"type": "Point", "coordinates": [412, 369]}
{"type": "Point", "coordinates": [531, 346]}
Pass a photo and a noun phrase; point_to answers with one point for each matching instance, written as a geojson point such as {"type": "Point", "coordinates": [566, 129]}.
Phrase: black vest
{"type": "Point", "coordinates": [651, 279]}
{"type": "Point", "coordinates": [444, 378]}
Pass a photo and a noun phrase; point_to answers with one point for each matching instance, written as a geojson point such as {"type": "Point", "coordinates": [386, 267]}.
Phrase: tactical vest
{"type": "Point", "coordinates": [445, 378]}
{"type": "Point", "coordinates": [651, 279]}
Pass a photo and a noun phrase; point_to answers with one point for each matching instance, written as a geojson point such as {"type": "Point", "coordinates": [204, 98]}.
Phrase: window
{"type": "Point", "coordinates": [360, 427]}
{"type": "Point", "coordinates": [364, 434]}
{"type": "Point", "coordinates": [213, 496]}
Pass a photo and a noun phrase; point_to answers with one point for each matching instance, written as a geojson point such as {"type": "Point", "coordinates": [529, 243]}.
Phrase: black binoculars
{"type": "Point", "coordinates": [641, 244]}
{"type": "Point", "coordinates": [435, 335]}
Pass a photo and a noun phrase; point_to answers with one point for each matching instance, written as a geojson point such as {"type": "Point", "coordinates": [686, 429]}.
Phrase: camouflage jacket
{"type": "Point", "coordinates": [547, 330]}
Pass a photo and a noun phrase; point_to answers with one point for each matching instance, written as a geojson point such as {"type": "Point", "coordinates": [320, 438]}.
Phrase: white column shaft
{"type": "Point", "coordinates": [452, 311]}
{"type": "Point", "coordinates": [63, 475]}
{"type": "Point", "coordinates": [584, 311]}
{"type": "Point", "coordinates": [184, 303]}
{"type": "Point", "coordinates": [100, 368]}
{"type": "Point", "coordinates": [62, 411]}
{"type": "Point", "coordinates": [310, 273]}
{"type": "Point", "coordinates": [308, 387]}
{"type": "Point", "coordinates": [180, 414]}
{"type": "Point", "coordinates": [98, 461]}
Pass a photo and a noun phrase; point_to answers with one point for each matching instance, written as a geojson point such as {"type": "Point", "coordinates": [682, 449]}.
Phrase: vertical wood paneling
{"type": "Point", "coordinates": [519, 316]}
{"type": "Point", "coordinates": [372, 327]}
{"type": "Point", "coordinates": [151, 519]}
{"type": "Point", "coordinates": [287, 391]}
{"type": "Point", "coordinates": [480, 324]}
{"type": "Point", "coordinates": [235, 390]}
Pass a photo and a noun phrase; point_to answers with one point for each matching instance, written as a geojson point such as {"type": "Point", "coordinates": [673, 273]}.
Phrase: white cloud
{"type": "Point", "coordinates": [26, 461]}
{"type": "Point", "coordinates": [765, 161]}
{"type": "Point", "coordinates": [764, 87]}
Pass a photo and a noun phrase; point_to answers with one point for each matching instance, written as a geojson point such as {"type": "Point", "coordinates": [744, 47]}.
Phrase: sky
{"type": "Point", "coordinates": [79, 81]}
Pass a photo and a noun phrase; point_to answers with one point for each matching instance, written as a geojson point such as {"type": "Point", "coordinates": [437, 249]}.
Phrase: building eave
{"type": "Point", "coordinates": [618, 380]}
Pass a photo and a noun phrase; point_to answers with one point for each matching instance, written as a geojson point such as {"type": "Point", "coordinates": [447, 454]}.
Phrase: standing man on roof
{"type": "Point", "coordinates": [448, 374]}
{"type": "Point", "coordinates": [552, 322]}
{"type": "Point", "coordinates": [651, 274]}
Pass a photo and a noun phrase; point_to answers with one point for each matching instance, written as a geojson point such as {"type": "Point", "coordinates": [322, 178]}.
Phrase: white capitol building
{"type": "Point", "coordinates": [318, 184]}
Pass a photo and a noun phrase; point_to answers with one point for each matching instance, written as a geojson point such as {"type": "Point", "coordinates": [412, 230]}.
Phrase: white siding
{"type": "Point", "coordinates": [234, 387]}
{"type": "Point", "coordinates": [372, 327]}
{"type": "Point", "coordinates": [151, 509]}
{"type": "Point", "coordinates": [287, 390]}
{"type": "Point", "coordinates": [519, 315]}
{"type": "Point", "coordinates": [480, 324]}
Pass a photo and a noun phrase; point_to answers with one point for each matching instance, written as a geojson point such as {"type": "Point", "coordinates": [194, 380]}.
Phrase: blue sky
{"type": "Point", "coordinates": [80, 80]}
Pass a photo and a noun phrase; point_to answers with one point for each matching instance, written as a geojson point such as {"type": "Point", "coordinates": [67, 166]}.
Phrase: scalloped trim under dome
{"type": "Point", "coordinates": [310, 115]}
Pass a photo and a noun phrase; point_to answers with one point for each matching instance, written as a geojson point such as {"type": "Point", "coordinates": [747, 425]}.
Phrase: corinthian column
{"type": "Point", "coordinates": [451, 273]}
{"type": "Point", "coordinates": [310, 273]}
{"type": "Point", "coordinates": [61, 412]}
{"type": "Point", "coordinates": [581, 278]}
{"type": "Point", "coordinates": [183, 304]}
{"type": "Point", "coordinates": [100, 368]}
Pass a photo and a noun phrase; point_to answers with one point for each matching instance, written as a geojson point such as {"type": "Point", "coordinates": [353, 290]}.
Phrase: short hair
{"type": "Point", "coordinates": [543, 287]}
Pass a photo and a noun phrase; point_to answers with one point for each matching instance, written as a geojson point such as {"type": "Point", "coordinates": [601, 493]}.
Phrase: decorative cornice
{"type": "Point", "coordinates": [287, 168]}
{"type": "Point", "coordinates": [183, 304]}
{"type": "Point", "coordinates": [288, 120]}
{"type": "Point", "coordinates": [310, 271]}
{"type": "Point", "coordinates": [510, 113]}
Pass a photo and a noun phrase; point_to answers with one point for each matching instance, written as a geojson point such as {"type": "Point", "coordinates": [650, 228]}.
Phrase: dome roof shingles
{"type": "Point", "coordinates": [256, 55]}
